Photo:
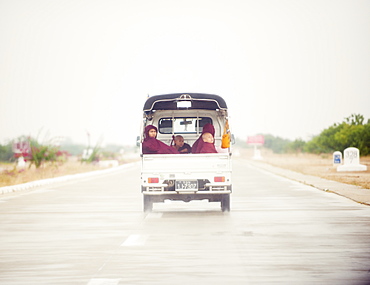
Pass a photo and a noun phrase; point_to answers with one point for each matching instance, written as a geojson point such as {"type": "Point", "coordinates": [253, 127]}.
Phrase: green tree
{"type": "Point", "coordinates": [355, 119]}
{"type": "Point", "coordinates": [297, 146]}
{"type": "Point", "coordinates": [365, 143]}
{"type": "Point", "coordinates": [352, 132]}
{"type": "Point", "coordinates": [6, 152]}
{"type": "Point", "coordinates": [325, 142]}
{"type": "Point", "coordinates": [276, 144]}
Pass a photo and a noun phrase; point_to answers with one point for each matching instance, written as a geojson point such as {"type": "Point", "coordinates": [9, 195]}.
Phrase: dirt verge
{"type": "Point", "coordinates": [316, 165]}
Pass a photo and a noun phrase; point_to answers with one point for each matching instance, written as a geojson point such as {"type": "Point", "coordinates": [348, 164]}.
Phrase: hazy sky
{"type": "Point", "coordinates": [289, 68]}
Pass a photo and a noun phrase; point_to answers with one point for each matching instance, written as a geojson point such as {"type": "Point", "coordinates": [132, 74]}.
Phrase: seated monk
{"type": "Point", "coordinates": [208, 144]}
{"type": "Point", "coordinates": [153, 146]}
{"type": "Point", "coordinates": [208, 128]}
{"type": "Point", "coordinates": [180, 145]}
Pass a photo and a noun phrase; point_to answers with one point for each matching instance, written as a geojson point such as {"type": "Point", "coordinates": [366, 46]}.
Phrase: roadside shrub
{"type": "Point", "coordinates": [6, 153]}
{"type": "Point", "coordinates": [46, 153]}
{"type": "Point", "coordinates": [91, 155]}
{"type": "Point", "coordinates": [40, 153]}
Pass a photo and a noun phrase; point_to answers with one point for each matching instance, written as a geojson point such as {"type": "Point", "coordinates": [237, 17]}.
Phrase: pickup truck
{"type": "Point", "coordinates": [190, 176]}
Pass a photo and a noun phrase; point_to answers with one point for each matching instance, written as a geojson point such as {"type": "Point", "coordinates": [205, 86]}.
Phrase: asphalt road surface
{"type": "Point", "coordinates": [93, 231]}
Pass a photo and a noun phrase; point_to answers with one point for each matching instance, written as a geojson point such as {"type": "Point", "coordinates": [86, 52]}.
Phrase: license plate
{"type": "Point", "coordinates": [186, 185]}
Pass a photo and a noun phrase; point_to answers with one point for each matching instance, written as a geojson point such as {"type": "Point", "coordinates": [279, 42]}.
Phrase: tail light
{"type": "Point", "coordinates": [219, 179]}
{"type": "Point", "coordinates": [153, 180]}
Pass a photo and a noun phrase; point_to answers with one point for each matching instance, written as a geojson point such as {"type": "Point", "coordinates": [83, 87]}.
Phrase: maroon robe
{"type": "Point", "coordinates": [208, 148]}
{"type": "Point", "coordinates": [198, 144]}
{"type": "Point", "coordinates": [154, 146]}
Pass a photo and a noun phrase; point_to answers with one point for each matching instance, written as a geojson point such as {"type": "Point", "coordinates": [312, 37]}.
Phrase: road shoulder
{"type": "Point", "coordinates": [353, 192]}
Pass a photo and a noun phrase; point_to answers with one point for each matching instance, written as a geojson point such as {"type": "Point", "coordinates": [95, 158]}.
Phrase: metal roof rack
{"type": "Point", "coordinates": [198, 101]}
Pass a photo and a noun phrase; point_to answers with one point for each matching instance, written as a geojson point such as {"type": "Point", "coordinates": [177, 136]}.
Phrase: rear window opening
{"type": "Point", "coordinates": [183, 125]}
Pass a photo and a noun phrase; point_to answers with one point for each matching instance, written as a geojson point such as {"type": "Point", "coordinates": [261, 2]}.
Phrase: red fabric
{"type": "Point", "coordinates": [208, 148]}
{"type": "Point", "coordinates": [154, 146]}
{"type": "Point", "coordinates": [198, 144]}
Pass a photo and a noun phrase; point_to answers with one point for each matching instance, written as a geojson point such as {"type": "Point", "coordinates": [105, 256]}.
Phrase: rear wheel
{"type": "Point", "coordinates": [148, 203]}
{"type": "Point", "coordinates": [225, 203]}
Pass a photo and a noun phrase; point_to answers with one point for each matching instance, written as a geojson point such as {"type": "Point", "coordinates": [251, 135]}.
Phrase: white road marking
{"type": "Point", "coordinates": [154, 216]}
{"type": "Point", "coordinates": [135, 240]}
{"type": "Point", "coordinates": [103, 281]}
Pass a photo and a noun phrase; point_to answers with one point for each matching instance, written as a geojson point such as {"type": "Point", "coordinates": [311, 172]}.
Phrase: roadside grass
{"type": "Point", "coordinates": [11, 175]}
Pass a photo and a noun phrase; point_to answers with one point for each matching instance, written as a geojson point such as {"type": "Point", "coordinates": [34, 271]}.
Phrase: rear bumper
{"type": "Point", "coordinates": [187, 197]}
{"type": "Point", "coordinates": [161, 189]}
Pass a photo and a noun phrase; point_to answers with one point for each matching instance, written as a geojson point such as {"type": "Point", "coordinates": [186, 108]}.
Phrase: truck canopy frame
{"type": "Point", "coordinates": [198, 101]}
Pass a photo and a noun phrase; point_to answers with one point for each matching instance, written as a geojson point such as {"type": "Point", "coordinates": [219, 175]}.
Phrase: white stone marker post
{"type": "Point", "coordinates": [21, 163]}
{"type": "Point", "coordinates": [351, 161]}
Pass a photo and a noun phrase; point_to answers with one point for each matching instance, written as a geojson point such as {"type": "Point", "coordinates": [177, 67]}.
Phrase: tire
{"type": "Point", "coordinates": [225, 203]}
{"type": "Point", "coordinates": [148, 203]}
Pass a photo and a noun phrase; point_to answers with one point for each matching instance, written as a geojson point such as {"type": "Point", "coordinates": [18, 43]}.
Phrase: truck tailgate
{"type": "Point", "coordinates": [174, 163]}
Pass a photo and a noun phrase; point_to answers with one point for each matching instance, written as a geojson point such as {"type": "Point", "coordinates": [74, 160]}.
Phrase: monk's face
{"type": "Point", "coordinates": [207, 137]}
{"type": "Point", "coordinates": [179, 142]}
{"type": "Point", "coordinates": [152, 133]}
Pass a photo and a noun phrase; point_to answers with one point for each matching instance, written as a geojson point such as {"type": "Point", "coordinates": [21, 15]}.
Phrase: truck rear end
{"type": "Point", "coordinates": [187, 176]}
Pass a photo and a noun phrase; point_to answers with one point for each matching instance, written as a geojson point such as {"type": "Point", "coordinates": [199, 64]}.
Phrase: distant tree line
{"type": "Point", "coordinates": [352, 132]}
{"type": "Point", "coordinates": [6, 153]}
{"type": "Point", "coordinates": [46, 151]}
{"type": "Point", "coordinates": [36, 153]}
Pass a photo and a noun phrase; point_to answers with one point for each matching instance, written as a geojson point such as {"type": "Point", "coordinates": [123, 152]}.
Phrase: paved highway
{"type": "Point", "coordinates": [93, 231]}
